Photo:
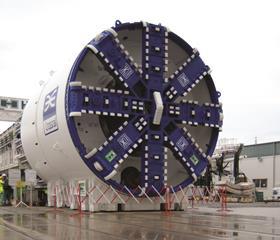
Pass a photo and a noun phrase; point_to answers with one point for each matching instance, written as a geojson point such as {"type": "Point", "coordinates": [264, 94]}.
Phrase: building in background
{"type": "Point", "coordinates": [11, 152]}
{"type": "Point", "coordinates": [259, 162]}
{"type": "Point", "coordinates": [12, 157]}
{"type": "Point", "coordinates": [262, 166]}
{"type": "Point", "coordinates": [11, 108]}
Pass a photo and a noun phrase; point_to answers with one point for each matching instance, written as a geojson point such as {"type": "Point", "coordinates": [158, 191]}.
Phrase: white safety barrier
{"type": "Point", "coordinates": [98, 196]}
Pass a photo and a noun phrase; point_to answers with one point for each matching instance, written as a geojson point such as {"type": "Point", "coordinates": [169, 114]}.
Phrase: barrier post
{"type": "Point", "coordinates": [21, 203]}
{"type": "Point", "coordinates": [193, 198]}
{"type": "Point", "coordinates": [79, 213]}
{"type": "Point", "coordinates": [167, 205]}
{"type": "Point", "coordinates": [80, 200]}
{"type": "Point", "coordinates": [174, 196]}
{"type": "Point", "coordinates": [55, 209]}
{"type": "Point", "coordinates": [184, 197]}
{"type": "Point", "coordinates": [223, 200]}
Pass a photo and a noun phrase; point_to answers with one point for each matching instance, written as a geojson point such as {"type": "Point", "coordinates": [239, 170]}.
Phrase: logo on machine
{"type": "Point", "coordinates": [194, 159]}
{"type": "Point", "coordinates": [50, 100]}
{"type": "Point", "coordinates": [183, 80]}
{"type": "Point", "coordinates": [49, 112]}
{"type": "Point", "coordinates": [110, 156]}
{"type": "Point", "coordinates": [126, 71]}
{"type": "Point", "coordinates": [124, 141]}
{"type": "Point", "coordinates": [182, 143]}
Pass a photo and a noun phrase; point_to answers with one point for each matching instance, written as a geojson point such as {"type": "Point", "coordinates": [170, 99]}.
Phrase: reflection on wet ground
{"type": "Point", "coordinates": [191, 224]}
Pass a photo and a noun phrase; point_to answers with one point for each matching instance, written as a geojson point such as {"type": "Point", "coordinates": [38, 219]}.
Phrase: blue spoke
{"type": "Point", "coordinates": [191, 113]}
{"type": "Point", "coordinates": [188, 151]}
{"type": "Point", "coordinates": [186, 77]}
{"type": "Point", "coordinates": [109, 50]}
{"type": "Point", "coordinates": [152, 163]}
{"type": "Point", "coordinates": [154, 55]}
{"type": "Point", "coordinates": [107, 158]}
{"type": "Point", "coordinates": [154, 65]}
{"type": "Point", "coordinates": [103, 101]}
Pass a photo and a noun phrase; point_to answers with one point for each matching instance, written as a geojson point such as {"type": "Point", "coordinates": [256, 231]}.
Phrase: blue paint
{"type": "Point", "coordinates": [49, 112]}
{"type": "Point", "coordinates": [110, 154]}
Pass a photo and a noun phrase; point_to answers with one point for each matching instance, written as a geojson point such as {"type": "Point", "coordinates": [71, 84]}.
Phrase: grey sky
{"type": "Point", "coordinates": [239, 40]}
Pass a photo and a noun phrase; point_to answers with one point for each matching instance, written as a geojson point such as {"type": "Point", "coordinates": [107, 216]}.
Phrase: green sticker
{"type": "Point", "coordinates": [110, 156]}
{"type": "Point", "coordinates": [194, 159]}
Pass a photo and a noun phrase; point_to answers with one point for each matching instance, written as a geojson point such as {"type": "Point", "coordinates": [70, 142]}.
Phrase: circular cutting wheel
{"type": "Point", "coordinates": [142, 109]}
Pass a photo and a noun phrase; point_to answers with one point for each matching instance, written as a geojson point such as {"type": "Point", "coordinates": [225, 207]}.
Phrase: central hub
{"type": "Point", "coordinates": [159, 108]}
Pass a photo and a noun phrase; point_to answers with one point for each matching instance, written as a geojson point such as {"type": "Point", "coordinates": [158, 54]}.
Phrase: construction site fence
{"type": "Point", "coordinates": [190, 196]}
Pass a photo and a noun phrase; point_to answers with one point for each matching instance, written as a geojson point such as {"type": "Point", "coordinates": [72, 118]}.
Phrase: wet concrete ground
{"type": "Point", "coordinates": [41, 223]}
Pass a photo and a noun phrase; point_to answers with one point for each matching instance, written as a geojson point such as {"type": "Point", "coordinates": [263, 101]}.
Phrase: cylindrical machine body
{"type": "Point", "coordinates": [52, 155]}
{"type": "Point", "coordinates": [137, 108]}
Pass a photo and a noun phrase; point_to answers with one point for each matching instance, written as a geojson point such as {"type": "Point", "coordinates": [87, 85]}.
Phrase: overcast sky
{"type": "Point", "coordinates": [239, 40]}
